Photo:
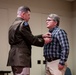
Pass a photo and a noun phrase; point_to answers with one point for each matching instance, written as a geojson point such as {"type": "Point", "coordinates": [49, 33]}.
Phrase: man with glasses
{"type": "Point", "coordinates": [56, 52]}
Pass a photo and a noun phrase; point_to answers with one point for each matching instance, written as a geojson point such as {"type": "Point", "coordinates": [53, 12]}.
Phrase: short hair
{"type": "Point", "coordinates": [55, 17]}
{"type": "Point", "coordinates": [23, 9]}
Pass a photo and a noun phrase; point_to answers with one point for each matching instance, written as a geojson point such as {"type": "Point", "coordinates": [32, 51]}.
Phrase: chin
{"type": "Point", "coordinates": [47, 26]}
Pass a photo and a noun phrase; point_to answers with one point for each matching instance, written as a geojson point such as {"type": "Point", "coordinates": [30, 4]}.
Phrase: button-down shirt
{"type": "Point", "coordinates": [59, 46]}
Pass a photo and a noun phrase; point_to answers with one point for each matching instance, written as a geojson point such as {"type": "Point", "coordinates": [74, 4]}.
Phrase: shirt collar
{"type": "Point", "coordinates": [19, 18]}
{"type": "Point", "coordinates": [51, 30]}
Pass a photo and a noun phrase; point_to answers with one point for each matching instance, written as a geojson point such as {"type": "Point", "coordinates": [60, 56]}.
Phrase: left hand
{"type": "Point", "coordinates": [47, 40]}
{"type": "Point", "coordinates": [60, 67]}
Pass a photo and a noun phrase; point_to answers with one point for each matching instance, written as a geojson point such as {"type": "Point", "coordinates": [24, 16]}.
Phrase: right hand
{"type": "Point", "coordinates": [60, 67]}
{"type": "Point", "coordinates": [47, 40]}
{"type": "Point", "coordinates": [47, 35]}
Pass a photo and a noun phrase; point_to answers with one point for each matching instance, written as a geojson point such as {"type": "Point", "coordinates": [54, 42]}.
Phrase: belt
{"type": "Point", "coordinates": [51, 59]}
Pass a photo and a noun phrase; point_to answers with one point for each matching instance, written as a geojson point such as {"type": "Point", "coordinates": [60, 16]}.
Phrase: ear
{"type": "Point", "coordinates": [23, 13]}
{"type": "Point", "coordinates": [55, 22]}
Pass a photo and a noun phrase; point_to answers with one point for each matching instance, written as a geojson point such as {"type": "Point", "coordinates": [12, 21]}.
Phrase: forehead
{"type": "Point", "coordinates": [28, 12]}
{"type": "Point", "coordinates": [49, 18]}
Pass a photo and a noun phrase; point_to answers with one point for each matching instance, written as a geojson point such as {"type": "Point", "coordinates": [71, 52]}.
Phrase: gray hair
{"type": "Point", "coordinates": [55, 17]}
{"type": "Point", "coordinates": [23, 9]}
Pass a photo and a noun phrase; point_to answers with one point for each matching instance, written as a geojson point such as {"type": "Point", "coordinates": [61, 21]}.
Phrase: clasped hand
{"type": "Point", "coordinates": [47, 38]}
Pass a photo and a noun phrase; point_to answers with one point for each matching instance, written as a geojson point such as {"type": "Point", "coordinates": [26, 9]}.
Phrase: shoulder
{"type": "Point", "coordinates": [62, 31]}
{"type": "Point", "coordinates": [25, 23]}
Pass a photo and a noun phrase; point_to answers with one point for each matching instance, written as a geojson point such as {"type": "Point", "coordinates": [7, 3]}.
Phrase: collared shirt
{"type": "Point", "coordinates": [59, 46]}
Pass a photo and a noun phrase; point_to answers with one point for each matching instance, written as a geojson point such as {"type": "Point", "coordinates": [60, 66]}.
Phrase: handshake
{"type": "Point", "coordinates": [47, 38]}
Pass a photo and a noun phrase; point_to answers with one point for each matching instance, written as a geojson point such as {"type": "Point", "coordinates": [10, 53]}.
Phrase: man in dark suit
{"type": "Point", "coordinates": [20, 40]}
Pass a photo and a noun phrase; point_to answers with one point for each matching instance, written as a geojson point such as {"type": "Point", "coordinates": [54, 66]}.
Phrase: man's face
{"type": "Point", "coordinates": [27, 16]}
{"type": "Point", "coordinates": [50, 23]}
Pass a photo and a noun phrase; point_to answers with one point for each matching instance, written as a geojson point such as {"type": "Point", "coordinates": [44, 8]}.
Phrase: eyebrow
{"type": "Point", "coordinates": [49, 20]}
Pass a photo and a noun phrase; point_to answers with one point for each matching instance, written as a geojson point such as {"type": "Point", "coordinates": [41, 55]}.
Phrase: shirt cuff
{"type": "Point", "coordinates": [62, 63]}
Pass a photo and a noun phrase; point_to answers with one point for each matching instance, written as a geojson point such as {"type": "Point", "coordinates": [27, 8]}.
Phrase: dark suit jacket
{"type": "Point", "coordinates": [20, 40]}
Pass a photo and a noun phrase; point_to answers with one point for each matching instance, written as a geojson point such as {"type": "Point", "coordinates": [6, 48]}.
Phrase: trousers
{"type": "Point", "coordinates": [20, 70]}
{"type": "Point", "coordinates": [52, 68]}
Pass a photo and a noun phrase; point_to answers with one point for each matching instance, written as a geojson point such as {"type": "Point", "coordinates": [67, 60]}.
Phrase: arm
{"type": "Point", "coordinates": [63, 40]}
{"type": "Point", "coordinates": [28, 36]}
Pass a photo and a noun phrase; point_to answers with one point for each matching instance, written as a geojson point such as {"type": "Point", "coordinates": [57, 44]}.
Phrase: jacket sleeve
{"type": "Point", "coordinates": [28, 36]}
